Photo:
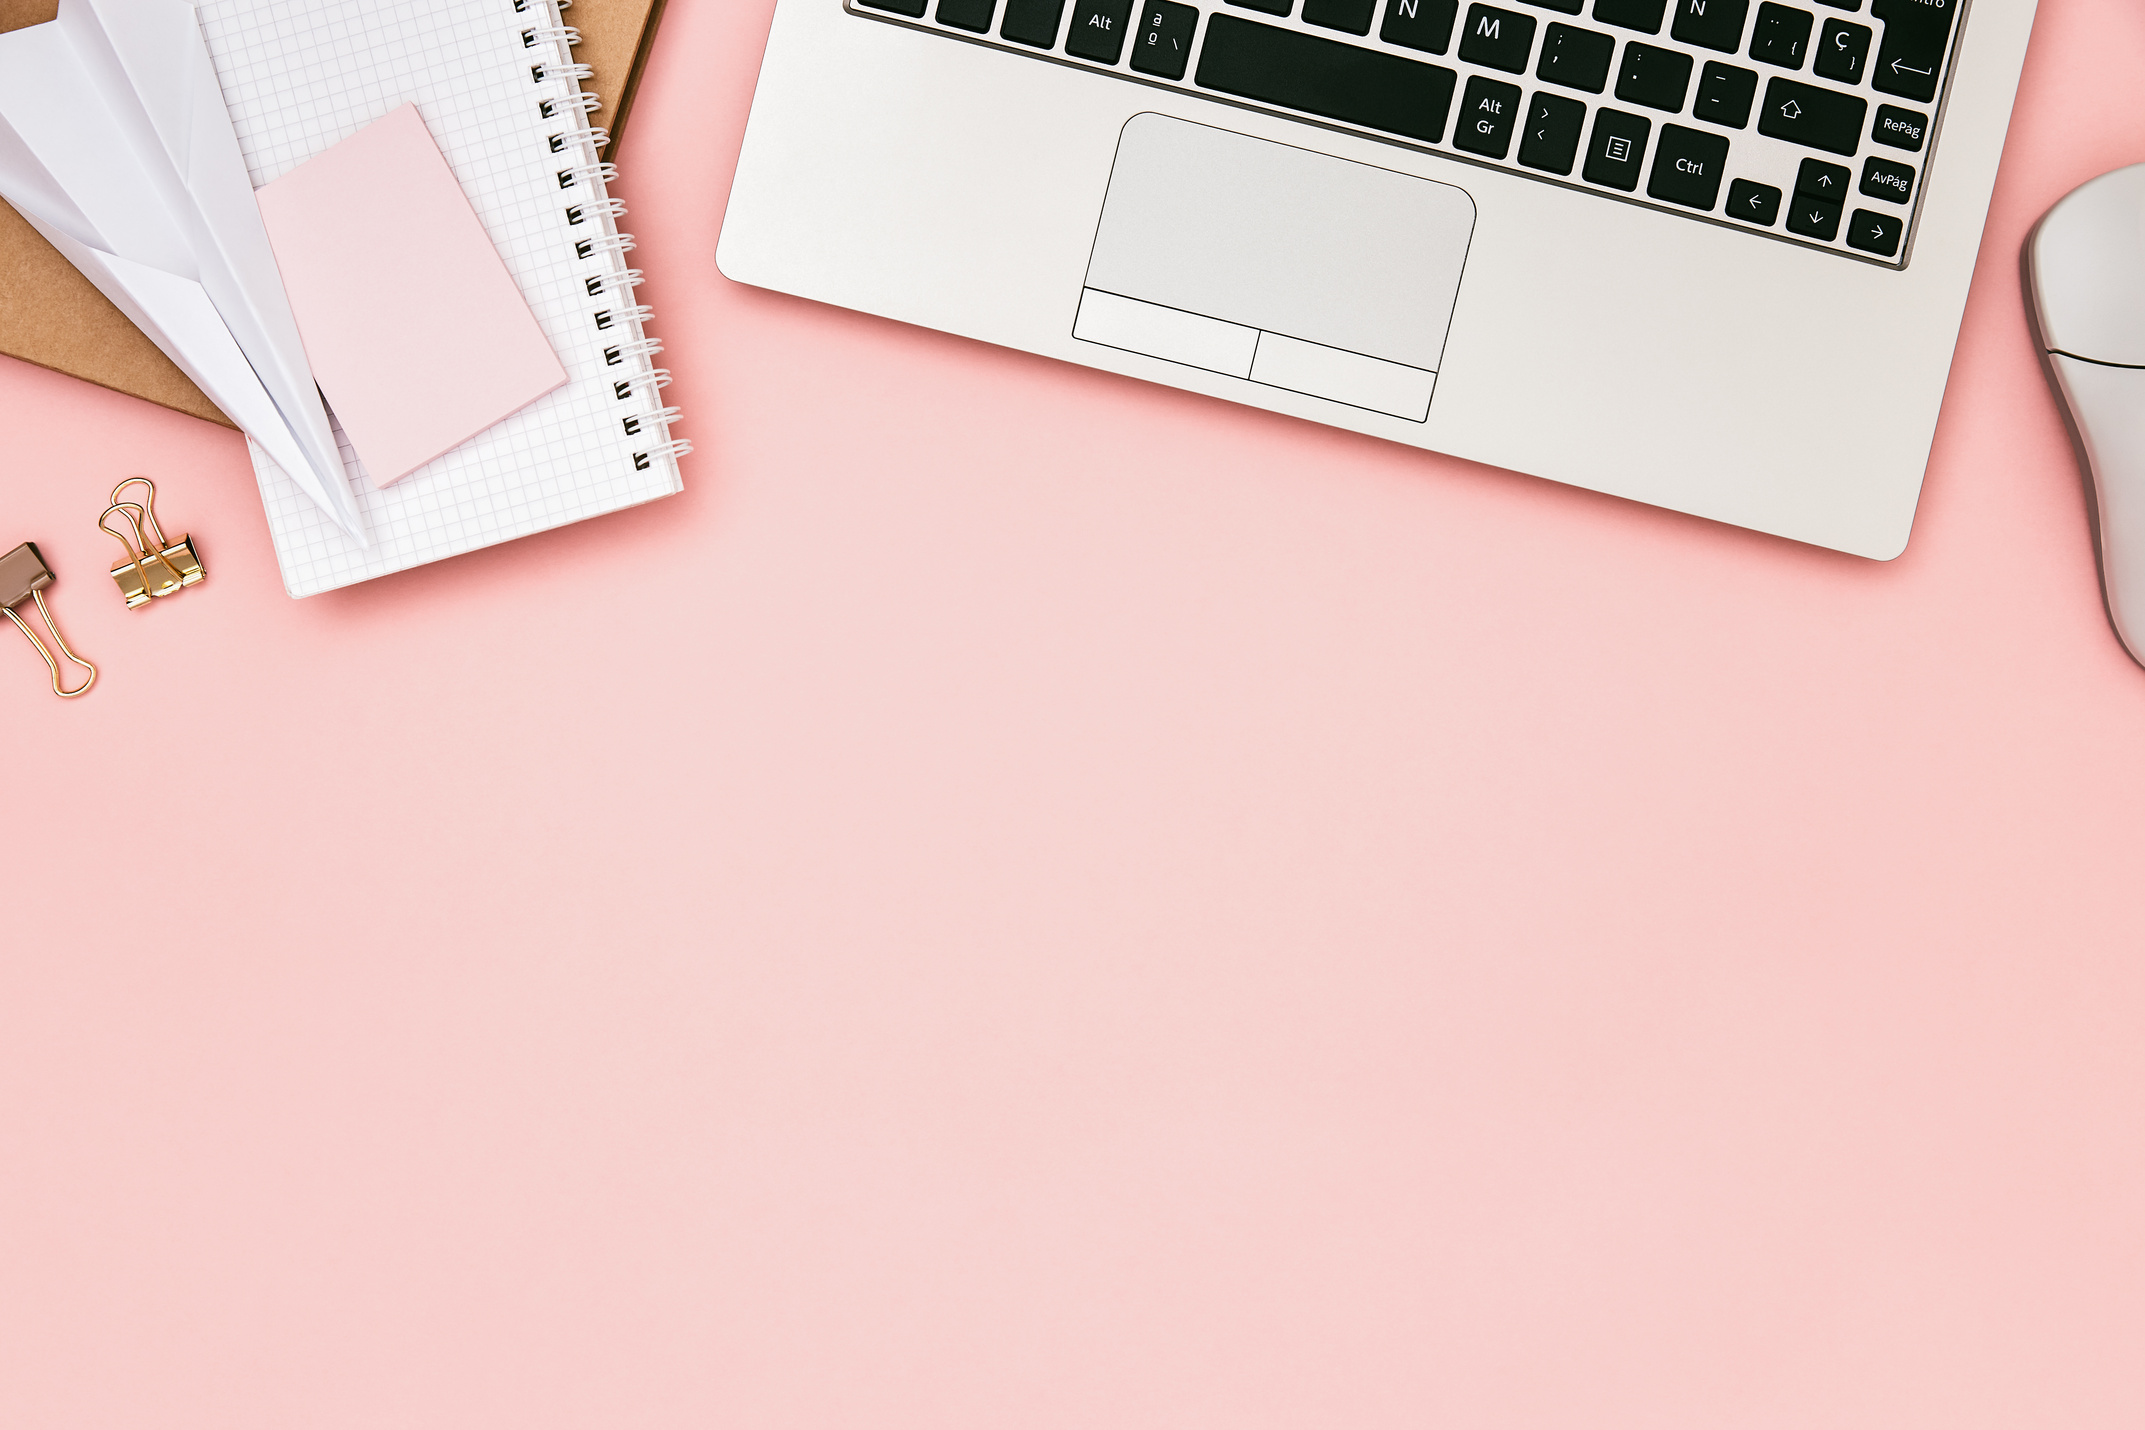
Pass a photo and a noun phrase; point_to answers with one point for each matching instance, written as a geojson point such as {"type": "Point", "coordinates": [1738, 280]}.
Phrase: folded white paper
{"type": "Point", "coordinates": [116, 146]}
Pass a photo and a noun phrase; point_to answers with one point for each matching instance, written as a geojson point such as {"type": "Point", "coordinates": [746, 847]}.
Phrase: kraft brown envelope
{"type": "Point", "coordinates": [50, 315]}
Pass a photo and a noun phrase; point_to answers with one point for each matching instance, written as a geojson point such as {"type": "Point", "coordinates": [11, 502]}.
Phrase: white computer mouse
{"type": "Point", "coordinates": [2085, 275]}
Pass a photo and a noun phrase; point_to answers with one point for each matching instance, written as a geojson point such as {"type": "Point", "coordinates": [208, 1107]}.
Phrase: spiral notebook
{"type": "Point", "coordinates": [501, 94]}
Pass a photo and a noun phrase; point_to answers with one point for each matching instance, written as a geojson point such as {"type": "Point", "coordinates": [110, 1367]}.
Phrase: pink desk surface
{"type": "Point", "coordinates": [1030, 900]}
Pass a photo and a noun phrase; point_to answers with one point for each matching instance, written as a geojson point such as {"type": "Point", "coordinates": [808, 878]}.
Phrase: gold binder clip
{"type": "Point", "coordinates": [145, 573]}
{"type": "Point", "coordinates": [178, 555]}
{"type": "Point", "coordinates": [155, 566]}
{"type": "Point", "coordinates": [23, 577]}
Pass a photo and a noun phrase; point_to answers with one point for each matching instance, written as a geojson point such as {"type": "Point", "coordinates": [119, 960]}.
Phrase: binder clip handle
{"type": "Point", "coordinates": [178, 558]}
{"type": "Point", "coordinates": [137, 578]}
{"type": "Point", "coordinates": [24, 577]}
{"type": "Point", "coordinates": [146, 507]}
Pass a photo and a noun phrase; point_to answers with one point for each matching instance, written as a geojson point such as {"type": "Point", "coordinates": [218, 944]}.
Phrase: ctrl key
{"type": "Point", "coordinates": [1754, 203]}
{"type": "Point", "coordinates": [1875, 233]}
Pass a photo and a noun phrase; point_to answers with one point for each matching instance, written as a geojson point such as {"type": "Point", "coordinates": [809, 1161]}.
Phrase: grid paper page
{"type": "Point", "coordinates": [301, 75]}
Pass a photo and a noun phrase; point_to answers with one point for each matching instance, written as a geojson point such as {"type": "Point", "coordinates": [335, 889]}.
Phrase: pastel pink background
{"type": "Point", "coordinates": [1027, 899]}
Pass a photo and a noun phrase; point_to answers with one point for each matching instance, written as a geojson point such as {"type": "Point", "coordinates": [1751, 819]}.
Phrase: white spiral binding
{"type": "Point", "coordinates": [593, 138]}
{"type": "Point", "coordinates": [612, 209]}
{"type": "Point", "coordinates": [635, 379]}
{"type": "Point", "coordinates": [625, 352]}
{"type": "Point", "coordinates": [619, 243]}
{"type": "Point", "coordinates": [646, 384]}
{"type": "Point", "coordinates": [636, 315]}
{"type": "Point", "coordinates": [587, 174]}
{"type": "Point", "coordinates": [675, 448]}
{"type": "Point", "coordinates": [599, 284]}
{"type": "Point", "coordinates": [553, 107]}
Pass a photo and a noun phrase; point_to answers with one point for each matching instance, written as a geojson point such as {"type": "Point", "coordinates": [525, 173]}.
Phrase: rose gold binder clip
{"type": "Point", "coordinates": [24, 577]}
{"type": "Point", "coordinates": [154, 566]}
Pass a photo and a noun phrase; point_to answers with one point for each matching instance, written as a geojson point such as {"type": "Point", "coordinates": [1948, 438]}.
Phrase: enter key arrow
{"type": "Point", "coordinates": [1916, 35]}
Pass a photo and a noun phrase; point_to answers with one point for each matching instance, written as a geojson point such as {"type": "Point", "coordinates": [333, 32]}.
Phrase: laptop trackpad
{"type": "Point", "coordinates": [1277, 265]}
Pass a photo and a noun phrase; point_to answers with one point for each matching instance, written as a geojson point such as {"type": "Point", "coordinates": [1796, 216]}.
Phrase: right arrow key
{"type": "Point", "coordinates": [1916, 33]}
{"type": "Point", "coordinates": [1875, 233]}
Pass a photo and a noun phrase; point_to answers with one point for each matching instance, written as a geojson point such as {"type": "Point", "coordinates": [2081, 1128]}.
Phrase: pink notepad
{"type": "Point", "coordinates": [417, 334]}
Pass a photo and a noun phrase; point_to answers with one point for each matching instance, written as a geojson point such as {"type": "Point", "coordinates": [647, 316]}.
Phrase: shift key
{"type": "Point", "coordinates": [1804, 114]}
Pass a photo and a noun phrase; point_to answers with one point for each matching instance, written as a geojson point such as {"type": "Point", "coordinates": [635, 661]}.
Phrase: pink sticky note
{"type": "Point", "coordinates": [412, 369]}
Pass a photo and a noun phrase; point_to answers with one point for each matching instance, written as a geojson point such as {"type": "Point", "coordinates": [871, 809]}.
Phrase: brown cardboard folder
{"type": "Point", "coordinates": [50, 315]}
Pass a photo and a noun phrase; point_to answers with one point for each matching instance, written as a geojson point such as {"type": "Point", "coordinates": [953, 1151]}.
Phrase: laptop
{"type": "Point", "coordinates": [1706, 254]}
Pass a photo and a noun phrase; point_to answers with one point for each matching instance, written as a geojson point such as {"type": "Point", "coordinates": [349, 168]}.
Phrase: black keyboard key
{"type": "Point", "coordinates": [1753, 203]}
{"type": "Point", "coordinates": [1724, 94]}
{"type": "Point", "coordinates": [1350, 15]}
{"type": "Point", "coordinates": [975, 15]}
{"type": "Point", "coordinates": [1032, 22]}
{"type": "Point", "coordinates": [1641, 15]}
{"type": "Point", "coordinates": [1716, 24]}
{"type": "Point", "coordinates": [899, 7]}
{"type": "Point", "coordinates": [1266, 7]}
{"type": "Point", "coordinates": [1569, 7]}
{"type": "Point", "coordinates": [1887, 180]}
{"type": "Point", "coordinates": [1804, 114]}
{"type": "Point", "coordinates": [1842, 51]}
{"type": "Point", "coordinates": [1781, 36]}
{"type": "Point", "coordinates": [1842, 4]}
{"type": "Point", "coordinates": [1687, 167]}
{"type": "Point", "coordinates": [1900, 128]}
{"type": "Point", "coordinates": [1488, 111]}
{"type": "Point", "coordinates": [1098, 30]}
{"type": "Point", "coordinates": [1654, 77]}
{"type": "Point", "coordinates": [1162, 46]}
{"type": "Point", "coordinates": [1419, 24]}
{"type": "Point", "coordinates": [1551, 139]}
{"type": "Point", "coordinates": [1617, 151]}
{"type": "Point", "coordinates": [1327, 78]}
{"type": "Point", "coordinates": [1576, 58]}
{"type": "Point", "coordinates": [1875, 233]}
{"type": "Point", "coordinates": [1813, 217]}
{"type": "Point", "coordinates": [1915, 34]}
{"type": "Point", "coordinates": [1497, 39]}
{"type": "Point", "coordinates": [1821, 180]}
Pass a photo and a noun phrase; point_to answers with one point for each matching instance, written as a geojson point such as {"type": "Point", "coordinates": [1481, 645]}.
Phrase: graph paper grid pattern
{"type": "Point", "coordinates": [302, 75]}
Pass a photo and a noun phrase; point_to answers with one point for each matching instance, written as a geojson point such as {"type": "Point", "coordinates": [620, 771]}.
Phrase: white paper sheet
{"type": "Point", "coordinates": [116, 145]}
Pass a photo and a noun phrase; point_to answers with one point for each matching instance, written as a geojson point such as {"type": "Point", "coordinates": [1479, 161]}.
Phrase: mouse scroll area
{"type": "Point", "coordinates": [2107, 406]}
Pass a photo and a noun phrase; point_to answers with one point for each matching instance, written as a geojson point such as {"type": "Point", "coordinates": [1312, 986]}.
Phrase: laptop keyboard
{"type": "Point", "coordinates": [1804, 122]}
